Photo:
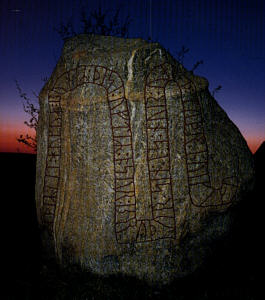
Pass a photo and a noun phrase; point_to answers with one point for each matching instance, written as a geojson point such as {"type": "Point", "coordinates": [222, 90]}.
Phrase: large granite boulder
{"type": "Point", "coordinates": [138, 166]}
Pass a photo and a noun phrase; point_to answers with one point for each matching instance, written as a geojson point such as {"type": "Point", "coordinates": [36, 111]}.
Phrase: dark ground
{"type": "Point", "coordinates": [230, 273]}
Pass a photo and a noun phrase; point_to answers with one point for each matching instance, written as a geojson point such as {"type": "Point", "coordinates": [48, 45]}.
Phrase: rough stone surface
{"type": "Point", "coordinates": [137, 166]}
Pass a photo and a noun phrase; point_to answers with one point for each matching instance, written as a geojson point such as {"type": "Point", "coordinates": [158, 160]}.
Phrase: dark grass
{"type": "Point", "coordinates": [231, 271]}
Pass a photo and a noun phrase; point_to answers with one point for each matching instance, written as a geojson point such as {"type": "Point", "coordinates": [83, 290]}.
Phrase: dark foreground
{"type": "Point", "coordinates": [230, 273]}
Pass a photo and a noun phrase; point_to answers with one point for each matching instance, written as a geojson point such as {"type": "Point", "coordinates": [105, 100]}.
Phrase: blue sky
{"type": "Point", "coordinates": [229, 36]}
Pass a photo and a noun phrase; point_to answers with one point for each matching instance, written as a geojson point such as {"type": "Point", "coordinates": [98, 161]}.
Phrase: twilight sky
{"type": "Point", "coordinates": [228, 35]}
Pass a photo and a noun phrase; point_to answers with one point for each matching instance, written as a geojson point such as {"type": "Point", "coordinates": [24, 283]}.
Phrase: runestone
{"type": "Point", "coordinates": [134, 156]}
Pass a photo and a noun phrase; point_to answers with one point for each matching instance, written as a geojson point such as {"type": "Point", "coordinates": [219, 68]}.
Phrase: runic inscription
{"type": "Point", "coordinates": [197, 161]}
{"type": "Point", "coordinates": [52, 171]}
{"type": "Point", "coordinates": [128, 227]}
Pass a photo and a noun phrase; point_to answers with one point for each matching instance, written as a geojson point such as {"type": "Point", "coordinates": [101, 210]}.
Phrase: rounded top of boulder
{"type": "Point", "coordinates": [99, 43]}
{"type": "Point", "coordinates": [133, 58]}
{"type": "Point", "coordinates": [102, 38]}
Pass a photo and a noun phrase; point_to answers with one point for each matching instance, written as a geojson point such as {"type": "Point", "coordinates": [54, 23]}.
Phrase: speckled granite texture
{"type": "Point", "coordinates": [137, 165]}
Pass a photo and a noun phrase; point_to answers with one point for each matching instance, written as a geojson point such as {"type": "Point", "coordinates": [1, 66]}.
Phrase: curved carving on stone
{"type": "Point", "coordinates": [162, 224]}
{"type": "Point", "coordinates": [119, 121]}
{"type": "Point", "coordinates": [197, 161]}
{"type": "Point", "coordinates": [128, 228]}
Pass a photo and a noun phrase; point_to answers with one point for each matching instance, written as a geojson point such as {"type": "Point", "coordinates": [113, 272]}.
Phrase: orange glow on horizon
{"type": "Point", "coordinates": [8, 139]}
{"type": "Point", "coordinates": [9, 143]}
{"type": "Point", "coordinates": [254, 144]}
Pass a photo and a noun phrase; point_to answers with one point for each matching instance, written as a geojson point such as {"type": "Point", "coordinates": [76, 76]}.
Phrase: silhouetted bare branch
{"type": "Point", "coordinates": [216, 90]}
{"type": "Point", "coordinates": [32, 110]}
{"type": "Point", "coordinates": [97, 22]}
